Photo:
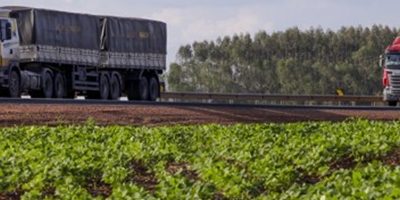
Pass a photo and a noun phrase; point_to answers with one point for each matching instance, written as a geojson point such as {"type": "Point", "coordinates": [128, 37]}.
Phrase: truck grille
{"type": "Point", "coordinates": [395, 83]}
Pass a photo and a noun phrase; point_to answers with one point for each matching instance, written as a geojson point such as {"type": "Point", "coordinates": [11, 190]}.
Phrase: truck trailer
{"type": "Point", "coordinates": [55, 54]}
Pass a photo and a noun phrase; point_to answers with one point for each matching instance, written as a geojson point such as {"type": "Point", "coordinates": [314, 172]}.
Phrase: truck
{"type": "Point", "coordinates": [390, 63]}
{"type": "Point", "coordinates": [55, 54]}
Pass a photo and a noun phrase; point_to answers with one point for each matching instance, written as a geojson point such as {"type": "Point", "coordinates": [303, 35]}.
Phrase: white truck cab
{"type": "Point", "coordinates": [9, 41]}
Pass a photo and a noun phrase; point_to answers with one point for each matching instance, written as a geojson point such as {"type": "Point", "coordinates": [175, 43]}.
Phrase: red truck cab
{"type": "Point", "coordinates": [390, 62]}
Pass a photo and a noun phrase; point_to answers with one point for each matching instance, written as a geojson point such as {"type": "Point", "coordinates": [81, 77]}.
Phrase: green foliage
{"type": "Point", "coordinates": [313, 61]}
{"type": "Point", "coordinates": [356, 159]}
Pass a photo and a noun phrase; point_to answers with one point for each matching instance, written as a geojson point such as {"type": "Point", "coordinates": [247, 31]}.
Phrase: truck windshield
{"type": "Point", "coordinates": [392, 61]}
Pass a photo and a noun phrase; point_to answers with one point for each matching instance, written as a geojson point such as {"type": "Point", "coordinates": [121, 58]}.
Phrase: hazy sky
{"type": "Point", "coordinates": [190, 20]}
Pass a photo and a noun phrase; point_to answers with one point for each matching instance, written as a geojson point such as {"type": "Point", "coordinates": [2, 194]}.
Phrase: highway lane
{"type": "Point", "coordinates": [124, 101]}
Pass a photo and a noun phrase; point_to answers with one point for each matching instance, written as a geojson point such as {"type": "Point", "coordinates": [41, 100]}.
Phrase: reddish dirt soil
{"type": "Point", "coordinates": [182, 168]}
{"type": "Point", "coordinates": [96, 187]}
{"type": "Point", "coordinates": [30, 114]}
{"type": "Point", "coordinates": [142, 176]}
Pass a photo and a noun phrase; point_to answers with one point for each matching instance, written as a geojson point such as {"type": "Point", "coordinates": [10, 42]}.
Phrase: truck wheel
{"type": "Point", "coordinates": [144, 89]}
{"type": "Point", "coordinates": [14, 87]}
{"type": "Point", "coordinates": [59, 86]}
{"type": "Point", "coordinates": [48, 85]}
{"type": "Point", "coordinates": [154, 89]}
{"type": "Point", "coordinates": [115, 87]}
{"type": "Point", "coordinates": [104, 89]}
{"type": "Point", "coordinates": [104, 86]}
{"type": "Point", "coordinates": [392, 103]}
{"type": "Point", "coordinates": [138, 90]}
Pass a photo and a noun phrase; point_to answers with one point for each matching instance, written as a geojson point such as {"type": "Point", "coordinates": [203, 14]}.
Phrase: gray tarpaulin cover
{"type": "Point", "coordinates": [114, 34]}
{"type": "Point", "coordinates": [134, 35]}
{"type": "Point", "coordinates": [46, 27]}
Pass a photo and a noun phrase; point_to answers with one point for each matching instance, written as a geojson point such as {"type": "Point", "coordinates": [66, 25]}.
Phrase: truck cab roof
{"type": "Point", "coordinates": [394, 47]}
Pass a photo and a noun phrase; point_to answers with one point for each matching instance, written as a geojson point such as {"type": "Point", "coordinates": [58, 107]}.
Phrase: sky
{"type": "Point", "coordinates": [198, 20]}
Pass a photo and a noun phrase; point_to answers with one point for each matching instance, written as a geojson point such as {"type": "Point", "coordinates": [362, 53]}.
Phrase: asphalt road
{"type": "Point", "coordinates": [124, 101]}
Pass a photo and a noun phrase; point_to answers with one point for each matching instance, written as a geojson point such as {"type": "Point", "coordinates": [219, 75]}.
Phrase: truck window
{"type": "Point", "coordinates": [392, 61]}
{"type": "Point", "coordinates": [8, 35]}
{"type": "Point", "coordinates": [2, 30]}
{"type": "Point", "coordinates": [5, 30]}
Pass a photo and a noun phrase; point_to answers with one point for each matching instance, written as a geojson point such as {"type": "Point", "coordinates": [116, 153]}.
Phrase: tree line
{"type": "Point", "coordinates": [313, 61]}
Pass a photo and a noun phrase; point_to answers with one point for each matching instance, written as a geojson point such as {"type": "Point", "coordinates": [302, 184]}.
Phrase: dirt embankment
{"type": "Point", "coordinates": [28, 114]}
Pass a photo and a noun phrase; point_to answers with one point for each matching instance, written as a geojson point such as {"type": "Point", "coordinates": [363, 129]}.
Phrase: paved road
{"type": "Point", "coordinates": [81, 101]}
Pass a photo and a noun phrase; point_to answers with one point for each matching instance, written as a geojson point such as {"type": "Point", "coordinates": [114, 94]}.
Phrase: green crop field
{"type": "Point", "coordinates": [358, 159]}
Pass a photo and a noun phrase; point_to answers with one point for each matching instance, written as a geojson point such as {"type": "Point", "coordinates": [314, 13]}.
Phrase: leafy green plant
{"type": "Point", "coordinates": [357, 159]}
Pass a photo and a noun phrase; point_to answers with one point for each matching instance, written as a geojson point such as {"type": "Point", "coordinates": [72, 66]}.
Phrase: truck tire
{"type": "Point", "coordinates": [115, 87]}
{"type": "Point", "coordinates": [14, 84]}
{"type": "Point", "coordinates": [154, 89]}
{"type": "Point", "coordinates": [138, 90]}
{"type": "Point", "coordinates": [104, 86]}
{"type": "Point", "coordinates": [48, 85]}
{"type": "Point", "coordinates": [59, 86]}
{"type": "Point", "coordinates": [143, 89]}
{"type": "Point", "coordinates": [392, 103]}
{"type": "Point", "coordinates": [104, 89]}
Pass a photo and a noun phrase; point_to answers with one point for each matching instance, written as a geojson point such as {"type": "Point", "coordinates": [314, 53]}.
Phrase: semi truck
{"type": "Point", "coordinates": [55, 54]}
{"type": "Point", "coordinates": [390, 62]}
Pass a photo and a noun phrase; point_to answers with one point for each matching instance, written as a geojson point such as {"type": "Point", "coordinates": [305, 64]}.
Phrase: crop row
{"type": "Point", "coordinates": [356, 158]}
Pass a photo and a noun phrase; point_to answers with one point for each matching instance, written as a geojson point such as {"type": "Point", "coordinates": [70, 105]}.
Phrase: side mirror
{"type": "Point", "coordinates": [381, 61]}
{"type": "Point", "coordinates": [8, 31]}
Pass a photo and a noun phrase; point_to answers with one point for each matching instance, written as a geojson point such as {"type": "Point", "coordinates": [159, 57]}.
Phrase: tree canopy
{"type": "Point", "coordinates": [313, 61]}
